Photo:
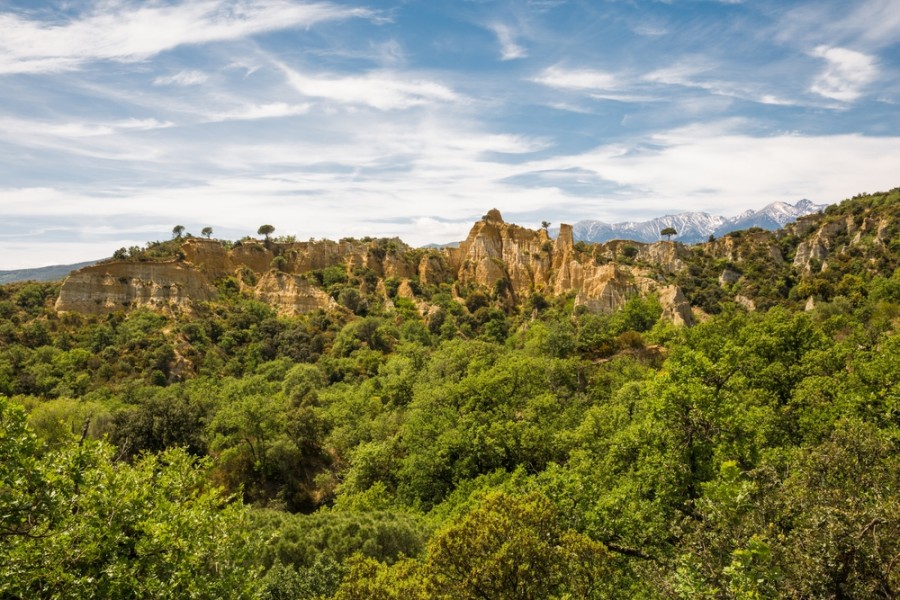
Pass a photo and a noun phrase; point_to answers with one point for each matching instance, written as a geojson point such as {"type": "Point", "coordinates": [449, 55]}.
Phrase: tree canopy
{"type": "Point", "coordinates": [434, 440]}
{"type": "Point", "coordinates": [266, 230]}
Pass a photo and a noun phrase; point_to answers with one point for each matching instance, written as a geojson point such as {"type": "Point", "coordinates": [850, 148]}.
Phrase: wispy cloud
{"type": "Point", "coordinates": [578, 79]}
{"type": "Point", "coordinates": [700, 74]}
{"type": "Point", "coordinates": [383, 90]}
{"type": "Point", "coordinates": [649, 30]}
{"type": "Point", "coordinates": [509, 49]}
{"type": "Point", "coordinates": [845, 76]}
{"type": "Point", "coordinates": [134, 31]}
{"type": "Point", "coordinates": [264, 111]}
{"type": "Point", "coordinates": [652, 86]}
{"type": "Point", "coordinates": [77, 129]}
{"type": "Point", "coordinates": [182, 78]}
{"type": "Point", "coordinates": [865, 24]}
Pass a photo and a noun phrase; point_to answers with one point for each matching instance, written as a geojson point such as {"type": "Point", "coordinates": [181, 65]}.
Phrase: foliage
{"type": "Point", "coordinates": [76, 524]}
{"type": "Point", "coordinates": [266, 230]}
{"type": "Point", "coordinates": [476, 448]}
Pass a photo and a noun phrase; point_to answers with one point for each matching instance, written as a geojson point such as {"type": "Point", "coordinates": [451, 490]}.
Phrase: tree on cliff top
{"type": "Point", "coordinates": [265, 230]}
{"type": "Point", "coordinates": [668, 232]}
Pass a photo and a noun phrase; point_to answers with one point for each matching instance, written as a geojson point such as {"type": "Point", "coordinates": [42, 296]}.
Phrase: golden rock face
{"type": "Point", "coordinates": [495, 254]}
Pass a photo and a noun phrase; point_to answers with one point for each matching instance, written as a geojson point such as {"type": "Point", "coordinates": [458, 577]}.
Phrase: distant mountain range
{"type": "Point", "coordinates": [52, 273]}
{"type": "Point", "coordinates": [693, 227]}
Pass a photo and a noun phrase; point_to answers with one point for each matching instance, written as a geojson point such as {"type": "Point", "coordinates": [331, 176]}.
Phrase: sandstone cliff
{"type": "Point", "coordinates": [291, 294]}
{"type": "Point", "coordinates": [113, 286]}
{"type": "Point", "coordinates": [528, 261]}
{"type": "Point", "coordinates": [510, 261]}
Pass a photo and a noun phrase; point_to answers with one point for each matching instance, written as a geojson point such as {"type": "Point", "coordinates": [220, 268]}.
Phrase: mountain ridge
{"type": "Point", "coordinates": [694, 227]}
{"type": "Point", "coordinates": [48, 273]}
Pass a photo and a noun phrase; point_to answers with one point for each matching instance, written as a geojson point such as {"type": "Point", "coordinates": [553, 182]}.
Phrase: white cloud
{"type": "Point", "coordinates": [684, 72]}
{"type": "Point", "coordinates": [509, 49]}
{"type": "Point", "coordinates": [716, 166]}
{"type": "Point", "coordinates": [261, 111]}
{"type": "Point", "coordinates": [650, 87]}
{"type": "Point", "coordinates": [382, 90]}
{"type": "Point", "coordinates": [183, 78]}
{"type": "Point", "coordinates": [693, 73]}
{"type": "Point", "coordinates": [135, 31]}
{"type": "Point", "coordinates": [21, 128]}
{"type": "Point", "coordinates": [845, 76]}
{"type": "Point", "coordinates": [578, 79]}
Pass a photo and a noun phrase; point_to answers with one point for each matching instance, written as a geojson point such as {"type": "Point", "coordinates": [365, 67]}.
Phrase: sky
{"type": "Point", "coordinates": [120, 119]}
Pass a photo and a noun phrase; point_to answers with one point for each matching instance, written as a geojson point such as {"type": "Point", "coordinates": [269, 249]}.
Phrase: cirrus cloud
{"type": "Point", "coordinates": [134, 31]}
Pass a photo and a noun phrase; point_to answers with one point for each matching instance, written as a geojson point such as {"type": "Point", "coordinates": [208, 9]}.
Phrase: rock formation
{"type": "Point", "coordinates": [291, 294]}
{"type": "Point", "coordinates": [108, 287]}
{"type": "Point", "coordinates": [507, 260]}
{"type": "Point", "coordinates": [528, 262]}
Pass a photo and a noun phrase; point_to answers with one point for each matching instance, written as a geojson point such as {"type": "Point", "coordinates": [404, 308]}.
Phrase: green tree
{"type": "Point", "coordinates": [266, 230]}
{"type": "Point", "coordinates": [177, 232]}
{"type": "Point", "coordinates": [77, 524]}
{"type": "Point", "coordinates": [668, 232]}
{"type": "Point", "coordinates": [207, 232]}
{"type": "Point", "coordinates": [509, 546]}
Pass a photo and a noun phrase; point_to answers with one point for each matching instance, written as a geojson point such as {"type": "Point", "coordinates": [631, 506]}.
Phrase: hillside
{"type": "Point", "coordinates": [51, 273]}
{"type": "Point", "coordinates": [514, 418]}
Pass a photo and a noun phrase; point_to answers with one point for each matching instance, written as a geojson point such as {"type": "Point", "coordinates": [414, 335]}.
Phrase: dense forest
{"type": "Point", "coordinates": [489, 450]}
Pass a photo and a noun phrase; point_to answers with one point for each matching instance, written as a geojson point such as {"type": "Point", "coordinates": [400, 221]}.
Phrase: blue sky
{"type": "Point", "coordinates": [122, 118]}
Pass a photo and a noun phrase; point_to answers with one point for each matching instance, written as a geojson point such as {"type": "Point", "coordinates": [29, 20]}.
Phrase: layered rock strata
{"type": "Point", "coordinates": [509, 260]}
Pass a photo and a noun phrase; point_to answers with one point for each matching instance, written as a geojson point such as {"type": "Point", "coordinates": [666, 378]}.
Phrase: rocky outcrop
{"type": "Point", "coordinates": [527, 262]}
{"type": "Point", "coordinates": [675, 305]}
{"type": "Point", "coordinates": [434, 270]}
{"type": "Point", "coordinates": [728, 277]}
{"type": "Point", "coordinates": [510, 261]}
{"type": "Point", "coordinates": [291, 294]}
{"type": "Point", "coordinates": [669, 257]}
{"type": "Point", "coordinates": [838, 236]}
{"type": "Point", "coordinates": [498, 251]}
{"type": "Point", "coordinates": [746, 302]}
{"type": "Point", "coordinates": [215, 261]}
{"type": "Point", "coordinates": [122, 285]}
{"type": "Point", "coordinates": [113, 286]}
{"type": "Point", "coordinates": [737, 249]}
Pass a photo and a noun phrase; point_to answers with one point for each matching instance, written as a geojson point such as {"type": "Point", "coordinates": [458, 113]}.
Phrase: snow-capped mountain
{"type": "Point", "coordinates": [694, 227]}
{"type": "Point", "coordinates": [771, 217]}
